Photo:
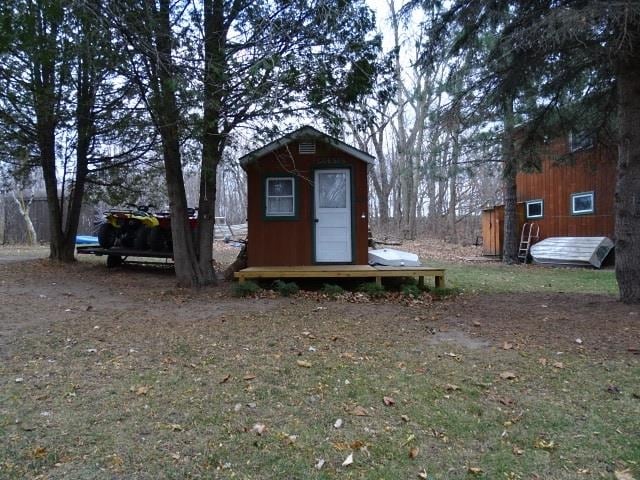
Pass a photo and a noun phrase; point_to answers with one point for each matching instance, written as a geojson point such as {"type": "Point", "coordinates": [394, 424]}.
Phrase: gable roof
{"type": "Point", "coordinates": [305, 133]}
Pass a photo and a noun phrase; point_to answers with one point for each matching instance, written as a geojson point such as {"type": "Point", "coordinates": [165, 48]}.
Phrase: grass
{"type": "Point", "coordinates": [156, 396]}
{"type": "Point", "coordinates": [498, 278]}
{"type": "Point", "coordinates": [183, 404]}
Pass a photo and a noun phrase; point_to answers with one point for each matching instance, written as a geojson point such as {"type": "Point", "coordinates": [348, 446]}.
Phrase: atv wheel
{"type": "Point", "coordinates": [141, 239]}
{"type": "Point", "coordinates": [114, 261]}
{"type": "Point", "coordinates": [157, 240]}
{"type": "Point", "coordinates": [107, 235]}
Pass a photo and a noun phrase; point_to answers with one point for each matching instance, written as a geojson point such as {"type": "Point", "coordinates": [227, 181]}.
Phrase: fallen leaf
{"type": "Point", "coordinates": [348, 461]}
{"type": "Point", "coordinates": [623, 475]}
{"type": "Point", "coordinates": [258, 428]}
{"type": "Point", "coordinates": [508, 375]}
{"type": "Point", "coordinates": [226, 378]}
{"type": "Point", "coordinates": [249, 376]}
{"type": "Point", "coordinates": [543, 444]}
{"type": "Point", "coordinates": [304, 363]}
{"type": "Point", "coordinates": [474, 470]}
{"type": "Point", "coordinates": [39, 452]}
{"type": "Point", "coordinates": [409, 439]}
{"type": "Point", "coordinates": [506, 401]}
{"type": "Point", "coordinates": [477, 324]}
{"type": "Point", "coordinates": [142, 390]}
{"type": "Point", "coordinates": [423, 475]}
{"type": "Point", "coordinates": [176, 427]}
{"type": "Point", "coordinates": [450, 387]}
{"type": "Point", "coordinates": [319, 463]}
{"type": "Point", "coordinates": [289, 439]}
{"type": "Point", "coordinates": [584, 471]}
{"type": "Point", "coordinates": [558, 365]}
{"type": "Point", "coordinates": [517, 450]}
{"type": "Point", "coordinates": [388, 401]}
{"type": "Point", "coordinates": [359, 411]}
{"type": "Point", "coordinates": [413, 452]}
{"type": "Point", "coordinates": [404, 418]}
{"type": "Point", "coordinates": [507, 346]}
{"type": "Point", "coordinates": [542, 361]}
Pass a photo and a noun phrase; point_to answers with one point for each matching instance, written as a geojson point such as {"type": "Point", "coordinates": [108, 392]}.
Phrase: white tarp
{"type": "Point", "coordinates": [393, 258]}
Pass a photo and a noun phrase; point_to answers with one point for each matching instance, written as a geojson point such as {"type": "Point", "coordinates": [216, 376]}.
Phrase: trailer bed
{"type": "Point", "coordinates": [117, 256]}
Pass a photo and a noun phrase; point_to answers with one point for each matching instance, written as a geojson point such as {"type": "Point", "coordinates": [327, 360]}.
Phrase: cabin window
{"type": "Point", "coordinates": [307, 148]}
{"type": "Point", "coordinates": [280, 197]}
{"type": "Point", "coordinates": [535, 209]}
{"type": "Point", "coordinates": [582, 203]}
{"type": "Point", "coordinates": [580, 140]}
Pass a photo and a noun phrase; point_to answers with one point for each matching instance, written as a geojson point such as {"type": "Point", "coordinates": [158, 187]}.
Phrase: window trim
{"type": "Point", "coordinates": [586, 146]}
{"type": "Point", "coordinates": [265, 197]}
{"type": "Point", "coordinates": [591, 211]}
{"type": "Point", "coordinates": [529, 202]}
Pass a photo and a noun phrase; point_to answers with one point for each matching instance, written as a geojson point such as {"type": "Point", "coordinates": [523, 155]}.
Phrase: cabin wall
{"type": "Point", "coordinates": [290, 242]}
{"type": "Point", "coordinates": [590, 170]}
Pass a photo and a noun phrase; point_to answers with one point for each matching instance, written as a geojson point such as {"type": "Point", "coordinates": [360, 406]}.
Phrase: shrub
{"type": "Point", "coordinates": [332, 290]}
{"type": "Point", "coordinates": [245, 289]}
{"type": "Point", "coordinates": [372, 289]}
{"type": "Point", "coordinates": [411, 290]}
{"type": "Point", "coordinates": [443, 292]}
{"type": "Point", "coordinates": [286, 289]}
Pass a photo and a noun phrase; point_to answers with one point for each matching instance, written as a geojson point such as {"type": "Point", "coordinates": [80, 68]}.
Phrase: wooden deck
{"type": "Point", "coordinates": [343, 271]}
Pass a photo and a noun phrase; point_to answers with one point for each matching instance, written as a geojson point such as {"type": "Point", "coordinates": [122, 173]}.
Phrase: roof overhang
{"type": "Point", "coordinates": [305, 133]}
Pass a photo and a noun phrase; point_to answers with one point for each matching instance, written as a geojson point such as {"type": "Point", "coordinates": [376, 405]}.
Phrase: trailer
{"type": "Point", "coordinates": [117, 256]}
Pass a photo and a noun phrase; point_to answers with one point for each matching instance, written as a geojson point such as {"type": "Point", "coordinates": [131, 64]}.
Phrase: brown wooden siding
{"type": "Point", "coordinates": [290, 242]}
{"type": "Point", "coordinates": [591, 170]}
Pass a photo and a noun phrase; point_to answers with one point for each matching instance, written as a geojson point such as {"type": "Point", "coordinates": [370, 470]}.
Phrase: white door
{"type": "Point", "coordinates": [333, 215]}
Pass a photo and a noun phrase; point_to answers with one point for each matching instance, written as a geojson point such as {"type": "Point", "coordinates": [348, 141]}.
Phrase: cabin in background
{"type": "Point", "coordinates": [307, 201]}
{"type": "Point", "coordinates": [572, 194]}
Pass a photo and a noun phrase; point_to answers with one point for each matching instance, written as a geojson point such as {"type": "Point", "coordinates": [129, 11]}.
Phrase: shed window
{"type": "Point", "coordinates": [582, 203]}
{"type": "Point", "coordinates": [280, 197]}
{"type": "Point", "coordinates": [535, 209]}
{"type": "Point", "coordinates": [307, 148]}
{"type": "Point", "coordinates": [580, 140]}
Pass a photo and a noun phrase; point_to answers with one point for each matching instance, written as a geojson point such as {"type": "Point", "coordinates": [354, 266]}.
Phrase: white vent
{"type": "Point", "coordinates": [307, 148]}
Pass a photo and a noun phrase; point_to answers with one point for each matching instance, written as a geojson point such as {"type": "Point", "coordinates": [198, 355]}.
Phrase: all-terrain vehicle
{"type": "Point", "coordinates": [127, 228]}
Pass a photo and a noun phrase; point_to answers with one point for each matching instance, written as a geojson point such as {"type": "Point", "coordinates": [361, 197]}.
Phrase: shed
{"type": "Point", "coordinates": [307, 201]}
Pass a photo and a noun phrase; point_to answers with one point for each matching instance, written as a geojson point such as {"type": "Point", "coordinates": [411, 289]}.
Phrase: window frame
{"type": "Point", "coordinates": [530, 202]}
{"type": "Point", "coordinates": [294, 196]}
{"type": "Point", "coordinates": [591, 211]}
{"type": "Point", "coordinates": [584, 145]}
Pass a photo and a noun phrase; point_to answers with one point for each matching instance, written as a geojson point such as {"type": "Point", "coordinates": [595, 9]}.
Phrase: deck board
{"type": "Point", "coordinates": [342, 271]}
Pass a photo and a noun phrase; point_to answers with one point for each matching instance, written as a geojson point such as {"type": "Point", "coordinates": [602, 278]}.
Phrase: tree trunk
{"type": "Point", "coordinates": [23, 208]}
{"type": "Point", "coordinates": [627, 197]}
{"type": "Point", "coordinates": [510, 170]}
{"type": "Point", "coordinates": [188, 273]}
{"type": "Point", "coordinates": [213, 141]}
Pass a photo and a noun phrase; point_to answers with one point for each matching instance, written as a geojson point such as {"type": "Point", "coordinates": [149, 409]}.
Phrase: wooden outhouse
{"type": "Point", "coordinates": [570, 195]}
{"type": "Point", "coordinates": [307, 201]}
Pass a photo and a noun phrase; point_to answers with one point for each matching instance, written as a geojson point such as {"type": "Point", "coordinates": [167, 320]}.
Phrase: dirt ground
{"type": "Point", "coordinates": [34, 295]}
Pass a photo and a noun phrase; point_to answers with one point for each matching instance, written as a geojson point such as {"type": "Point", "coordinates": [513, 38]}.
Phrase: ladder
{"type": "Point", "coordinates": [530, 233]}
